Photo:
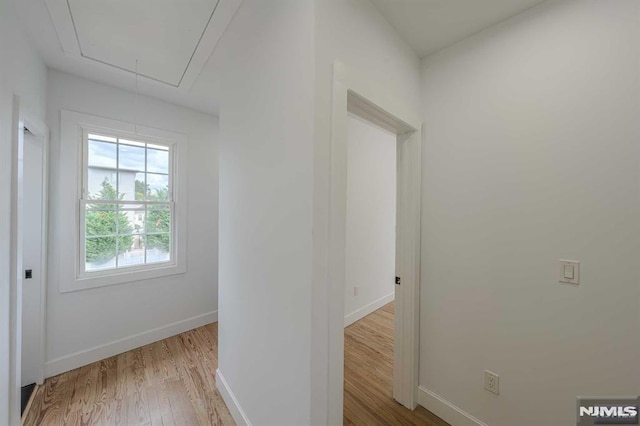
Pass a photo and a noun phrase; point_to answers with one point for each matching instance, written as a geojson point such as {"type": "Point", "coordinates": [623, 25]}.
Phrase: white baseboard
{"type": "Point", "coordinates": [444, 409]}
{"type": "Point", "coordinates": [230, 399]}
{"type": "Point", "coordinates": [69, 362]}
{"type": "Point", "coordinates": [370, 308]}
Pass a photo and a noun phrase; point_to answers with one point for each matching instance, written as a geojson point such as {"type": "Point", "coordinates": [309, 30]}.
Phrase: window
{"type": "Point", "coordinates": [123, 215]}
{"type": "Point", "coordinates": [127, 207]}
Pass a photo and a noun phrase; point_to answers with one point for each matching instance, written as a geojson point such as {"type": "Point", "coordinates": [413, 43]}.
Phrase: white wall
{"type": "Point", "coordinates": [531, 155]}
{"type": "Point", "coordinates": [355, 33]}
{"type": "Point", "coordinates": [371, 218]}
{"type": "Point", "coordinates": [127, 315]}
{"type": "Point", "coordinates": [22, 73]}
{"type": "Point", "coordinates": [266, 134]}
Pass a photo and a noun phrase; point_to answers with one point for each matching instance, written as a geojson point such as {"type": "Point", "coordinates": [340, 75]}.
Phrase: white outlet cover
{"type": "Point", "coordinates": [492, 382]}
{"type": "Point", "coordinates": [569, 271]}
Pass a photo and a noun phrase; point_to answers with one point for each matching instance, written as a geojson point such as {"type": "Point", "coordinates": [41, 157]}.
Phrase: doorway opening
{"type": "Point", "coordinates": [355, 95]}
{"type": "Point", "coordinates": [371, 219]}
{"type": "Point", "coordinates": [29, 217]}
{"type": "Point", "coordinates": [369, 272]}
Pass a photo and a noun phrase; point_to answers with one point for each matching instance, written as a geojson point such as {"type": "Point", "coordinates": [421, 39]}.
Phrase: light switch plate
{"type": "Point", "coordinates": [569, 271]}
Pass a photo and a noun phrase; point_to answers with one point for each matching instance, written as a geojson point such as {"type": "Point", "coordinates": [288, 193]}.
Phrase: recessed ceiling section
{"type": "Point", "coordinates": [161, 35]}
{"type": "Point", "coordinates": [164, 40]}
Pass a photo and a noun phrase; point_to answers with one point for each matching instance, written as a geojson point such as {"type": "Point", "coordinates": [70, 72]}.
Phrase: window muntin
{"type": "Point", "coordinates": [127, 207]}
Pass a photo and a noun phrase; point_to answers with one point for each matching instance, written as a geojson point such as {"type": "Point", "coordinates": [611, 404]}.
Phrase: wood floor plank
{"type": "Point", "coordinates": [166, 383]}
{"type": "Point", "coordinates": [138, 408]}
{"type": "Point", "coordinates": [159, 408]}
{"type": "Point", "coordinates": [368, 375]}
{"type": "Point", "coordinates": [181, 407]}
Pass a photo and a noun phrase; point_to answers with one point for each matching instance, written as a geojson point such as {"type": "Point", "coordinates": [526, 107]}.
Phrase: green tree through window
{"type": "Point", "coordinates": [159, 220]}
{"type": "Point", "coordinates": [104, 226]}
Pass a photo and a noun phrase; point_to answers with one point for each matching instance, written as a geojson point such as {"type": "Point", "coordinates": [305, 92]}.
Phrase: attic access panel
{"type": "Point", "coordinates": [170, 39]}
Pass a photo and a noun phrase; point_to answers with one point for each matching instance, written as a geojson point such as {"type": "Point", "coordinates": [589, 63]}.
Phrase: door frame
{"type": "Point", "coordinates": [22, 118]}
{"type": "Point", "coordinates": [354, 92]}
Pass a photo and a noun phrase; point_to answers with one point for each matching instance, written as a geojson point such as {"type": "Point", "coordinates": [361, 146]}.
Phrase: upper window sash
{"type": "Point", "coordinates": [149, 142]}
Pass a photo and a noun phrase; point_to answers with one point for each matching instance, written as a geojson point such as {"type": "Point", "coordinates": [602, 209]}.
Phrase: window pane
{"type": "Point", "coordinates": [130, 250]}
{"type": "Point", "coordinates": [158, 248]}
{"type": "Point", "coordinates": [158, 187]}
{"type": "Point", "coordinates": [142, 189]}
{"type": "Point", "coordinates": [102, 183]}
{"type": "Point", "coordinates": [158, 219]}
{"type": "Point", "coordinates": [100, 220]}
{"type": "Point", "coordinates": [102, 154]}
{"type": "Point", "coordinates": [131, 157]}
{"type": "Point", "coordinates": [125, 242]}
{"type": "Point", "coordinates": [131, 219]}
{"type": "Point", "coordinates": [100, 253]}
{"type": "Point", "coordinates": [127, 184]}
{"type": "Point", "coordinates": [121, 235]}
{"type": "Point", "coordinates": [158, 161]}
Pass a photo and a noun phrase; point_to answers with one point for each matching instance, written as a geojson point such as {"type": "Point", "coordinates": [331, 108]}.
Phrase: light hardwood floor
{"type": "Point", "coordinates": [368, 370]}
{"type": "Point", "coordinates": [171, 382]}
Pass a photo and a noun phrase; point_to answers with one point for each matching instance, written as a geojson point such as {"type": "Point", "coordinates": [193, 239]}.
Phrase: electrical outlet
{"type": "Point", "coordinates": [355, 290]}
{"type": "Point", "coordinates": [492, 382]}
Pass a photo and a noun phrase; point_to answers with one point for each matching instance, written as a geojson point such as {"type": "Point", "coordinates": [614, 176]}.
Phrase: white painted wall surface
{"type": "Point", "coordinates": [23, 73]}
{"type": "Point", "coordinates": [125, 316]}
{"type": "Point", "coordinates": [371, 218]}
{"type": "Point", "coordinates": [355, 33]}
{"type": "Point", "coordinates": [531, 155]}
{"type": "Point", "coordinates": [266, 148]}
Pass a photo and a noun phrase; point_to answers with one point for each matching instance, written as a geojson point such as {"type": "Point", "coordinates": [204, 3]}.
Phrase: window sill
{"type": "Point", "coordinates": [121, 277]}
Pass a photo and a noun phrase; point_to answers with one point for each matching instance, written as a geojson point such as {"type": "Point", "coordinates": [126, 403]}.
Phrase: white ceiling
{"type": "Point", "coordinates": [173, 39]}
{"type": "Point", "coordinates": [161, 35]}
{"type": "Point", "coordinates": [100, 40]}
{"type": "Point", "coordinates": [430, 25]}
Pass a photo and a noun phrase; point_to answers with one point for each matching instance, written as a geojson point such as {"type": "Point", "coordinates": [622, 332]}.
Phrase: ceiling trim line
{"type": "Point", "coordinates": [89, 58]}
{"type": "Point", "coordinates": [60, 13]}
{"type": "Point", "coordinates": [204, 30]}
{"type": "Point", "coordinates": [223, 14]}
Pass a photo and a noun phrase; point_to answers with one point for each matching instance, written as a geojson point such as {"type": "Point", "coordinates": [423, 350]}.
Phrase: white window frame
{"type": "Point", "coordinates": [84, 201]}
{"type": "Point", "coordinates": [73, 175]}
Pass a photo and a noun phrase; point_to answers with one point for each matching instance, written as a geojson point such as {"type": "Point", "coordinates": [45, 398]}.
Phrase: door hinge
{"type": "Point", "coordinates": [398, 280]}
